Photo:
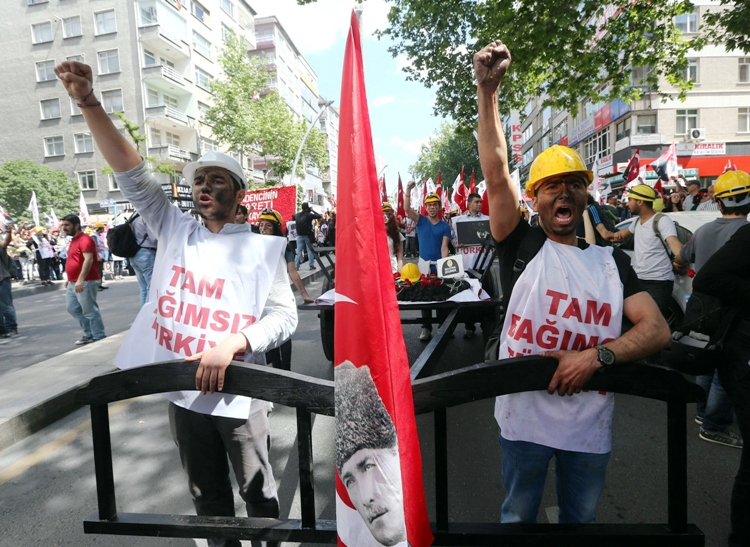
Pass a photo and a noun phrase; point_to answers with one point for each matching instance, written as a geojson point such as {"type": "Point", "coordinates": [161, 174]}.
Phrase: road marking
{"type": "Point", "coordinates": [44, 452]}
{"type": "Point", "coordinates": [552, 514]}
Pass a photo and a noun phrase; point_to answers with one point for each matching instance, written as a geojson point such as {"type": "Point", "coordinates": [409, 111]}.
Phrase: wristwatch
{"type": "Point", "coordinates": [606, 356]}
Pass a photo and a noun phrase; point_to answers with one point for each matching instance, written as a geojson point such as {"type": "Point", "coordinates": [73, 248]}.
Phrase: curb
{"type": "Point", "coordinates": [18, 421]}
{"type": "Point", "coordinates": [29, 290]}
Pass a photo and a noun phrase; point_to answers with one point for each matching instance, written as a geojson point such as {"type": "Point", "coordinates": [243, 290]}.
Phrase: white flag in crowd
{"type": "Point", "coordinates": [83, 211]}
{"type": "Point", "coordinates": [34, 209]}
{"type": "Point", "coordinates": [53, 216]}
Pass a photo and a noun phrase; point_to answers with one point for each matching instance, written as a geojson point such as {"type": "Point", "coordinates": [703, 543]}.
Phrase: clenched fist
{"type": "Point", "coordinates": [490, 65]}
{"type": "Point", "coordinates": [76, 77]}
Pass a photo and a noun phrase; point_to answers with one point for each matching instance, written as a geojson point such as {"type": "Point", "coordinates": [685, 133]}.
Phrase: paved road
{"type": "Point", "coordinates": [47, 487]}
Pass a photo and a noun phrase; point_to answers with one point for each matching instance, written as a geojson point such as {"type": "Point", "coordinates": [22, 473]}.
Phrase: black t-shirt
{"type": "Point", "coordinates": [507, 252]}
{"type": "Point", "coordinates": [304, 222]}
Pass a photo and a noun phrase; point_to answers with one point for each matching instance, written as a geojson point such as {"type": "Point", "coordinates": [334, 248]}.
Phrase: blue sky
{"type": "Point", "coordinates": [400, 111]}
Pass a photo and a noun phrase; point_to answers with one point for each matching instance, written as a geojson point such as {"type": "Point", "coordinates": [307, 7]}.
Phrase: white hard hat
{"type": "Point", "coordinates": [215, 159]}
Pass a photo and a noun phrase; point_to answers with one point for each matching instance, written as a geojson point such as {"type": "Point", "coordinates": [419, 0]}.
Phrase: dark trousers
{"type": "Point", "coordinates": [7, 311]}
{"type": "Point", "coordinates": [734, 373]}
{"type": "Point", "coordinates": [44, 265]}
{"type": "Point", "coordinates": [661, 292]}
{"type": "Point", "coordinates": [281, 357]}
{"type": "Point", "coordinates": [204, 442]}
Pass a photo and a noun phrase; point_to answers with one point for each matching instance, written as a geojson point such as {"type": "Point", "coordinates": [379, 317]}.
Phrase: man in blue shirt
{"type": "Point", "coordinates": [434, 236]}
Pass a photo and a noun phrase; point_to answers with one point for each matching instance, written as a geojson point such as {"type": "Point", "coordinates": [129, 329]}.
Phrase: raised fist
{"type": "Point", "coordinates": [490, 64]}
{"type": "Point", "coordinates": [76, 77]}
{"type": "Point", "coordinates": [410, 186]}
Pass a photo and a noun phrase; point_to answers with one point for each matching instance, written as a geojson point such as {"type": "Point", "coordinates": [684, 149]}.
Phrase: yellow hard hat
{"type": "Point", "coordinates": [556, 160]}
{"type": "Point", "coordinates": [38, 229]}
{"type": "Point", "coordinates": [98, 225]}
{"type": "Point", "coordinates": [642, 192]}
{"type": "Point", "coordinates": [271, 216]}
{"type": "Point", "coordinates": [731, 183]}
{"type": "Point", "coordinates": [432, 198]}
{"type": "Point", "coordinates": [387, 208]}
{"type": "Point", "coordinates": [411, 272]}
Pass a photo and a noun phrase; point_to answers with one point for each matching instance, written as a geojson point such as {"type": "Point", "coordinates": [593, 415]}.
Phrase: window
{"type": "Point", "coordinates": [199, 11]}
{"type": "Point", "coordinates": [155, 137]}
{"type": "Point", "coordinates": [622, 129]}
{"type": "Point", "coordinates": [228, 7]}
{"type": "Point", "coordinates": [172, 138]}
{"type": "Point", "coordinates": [203, 79]}
{"type": "Point", "coordinates": [561, 130]}
{"type": "Point", "coordinates": [33, 2]}
{"type": "Point", "coordinates": [646, 124]}
{"type": "Point", "coordinates": [201, 45]}
{"type": "Point", "coordinates": [528, 156]}
{"type": "Point", "coordinates": [50, 109]}
{"type": "Point", "coordinates": [152, 98]}
{"type": "Point", "coordinates": [639, 74]}
{"type": "Point", "coordinates": [202, 110]}
{"type": "Point", "coordinates": [74, 110]}
{"type": "Point", "coordinates": [226, 32]}
{"type": "Point", "coordinates": [207, 145]}
{"type": "Point", "coordinates": [54, 146]}
{"type": "Point", "coordinates": [149, 59]}
{"type": "Point", "coordinates": [148, 13]}
{"type": "Point", "coordinates": [112, 101]}
{"type": "Point", "coordinates": [687, 22]}
{"type": "Point", "coordinates": [112, 182]}
{"type": "Point", "coordinates": [87, 180]}
{"type": "Point", "coordinates": [45, 71]}
{"type": "Point", "coordinates": [72, 27]}
{"type": "Point", "coordinates": [109, 61]}
{"type": "Point", "coordinates": [744, 120]}
{"type": "Point", "coordinates": [170, 101]}
{"type": "Point", "coordinates": [84, 143]}
{"type": "Point", "coordinates": [77, 58]}
{"type": "Point", "coordinates": [596, 146]}
{"type": "Point", "coordinates": [527, 133]}
{"type": "Point", "coordinates": [692, 70]}
{"type": "Point", "coordinates": [42, 32]}
{"type": "Point", "coordinates": [744, 69]}
{"type": "Point", "coordinates": [105, 22]}
{"type": "Point", "coordinates": [686, 120]}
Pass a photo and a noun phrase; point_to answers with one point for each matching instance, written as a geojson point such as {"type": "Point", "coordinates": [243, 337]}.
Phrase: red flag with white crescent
{"type": "Point", "coordinates": [379, 491]}
{"type": "Point", "coordinates": [632, 169]}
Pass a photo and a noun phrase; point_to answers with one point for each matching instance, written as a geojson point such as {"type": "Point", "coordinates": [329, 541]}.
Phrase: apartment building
{"type": "Point", "coordinates": [711, 128]}
{"type": "Point", "coordinates": [297, 83]}
{"type": "Point", "coordinates": [153, 60]}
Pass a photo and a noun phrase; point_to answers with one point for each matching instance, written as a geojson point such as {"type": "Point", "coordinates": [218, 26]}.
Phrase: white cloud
{"type": "Point", "coordinates": [315, 27]}
{"type": "Point", "coordinates": [381, 101]}
{"type": "Point", "coordinates": [413, 147]}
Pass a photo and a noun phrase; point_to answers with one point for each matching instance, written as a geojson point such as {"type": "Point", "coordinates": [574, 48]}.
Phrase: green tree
{"type": "Point", "coordinates": [448, 150]}
{"type": "Point", "coordinates": [564, 51]}
{"type": "Point", "coordinates": [157, 165]}
{"type": "Point", "coordinates": [19, 178]}
{"type": "Point", "coordinates": [251, 120]}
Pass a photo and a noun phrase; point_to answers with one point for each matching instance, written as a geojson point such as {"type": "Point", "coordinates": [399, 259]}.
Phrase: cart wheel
{"type": "Point", "coordinates": [326, 332]}
{"type": "Point", "coordinates": [490, 317]}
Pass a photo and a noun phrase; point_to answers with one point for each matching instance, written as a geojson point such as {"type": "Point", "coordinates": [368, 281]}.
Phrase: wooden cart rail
{"type": "Point", "coordinates": [434, 394]}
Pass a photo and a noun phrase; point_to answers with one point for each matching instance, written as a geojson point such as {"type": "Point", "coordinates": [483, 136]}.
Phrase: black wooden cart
{"type": "Point", "coordinates": [435, 395]}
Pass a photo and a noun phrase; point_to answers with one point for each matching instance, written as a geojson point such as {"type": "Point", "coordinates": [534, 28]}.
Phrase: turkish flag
{"type": "Point", "coordinates": [383, 191]}
{"type": "Point", "coordinates": [631, 170]}
{"type": "Point", "coordinates": [460, 193]}
{"type": "Point", "coordinates": [666, 164]}
{"type": "Point", "coordinates": [400, 211]}
{"type": "Point", "coordinates": [376, 429]}
{"type": "Point", "coordinates": [472, 184]}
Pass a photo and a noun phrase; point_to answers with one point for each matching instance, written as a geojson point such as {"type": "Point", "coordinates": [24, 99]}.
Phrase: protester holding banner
{"type": "Point", "coordinates": [567, 303]}
{"type": "Point", "coordinates": [203, 270]}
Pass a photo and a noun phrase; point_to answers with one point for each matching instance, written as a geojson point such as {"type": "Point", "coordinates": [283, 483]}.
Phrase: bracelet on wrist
{"type": "Point", "coordinates": [88, 105]}
{"type": "Point", "coordinates": [81, 99]}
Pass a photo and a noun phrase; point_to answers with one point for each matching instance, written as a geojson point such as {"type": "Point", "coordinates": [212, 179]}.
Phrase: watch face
{"type": "Point", "coordinates": [606, 356]}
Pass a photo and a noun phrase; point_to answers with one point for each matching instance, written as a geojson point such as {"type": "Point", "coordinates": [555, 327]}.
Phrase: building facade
{"type": "Point", "coordinates": [711, 128]}
{"type": "Point", "coordinates": [153, 60]}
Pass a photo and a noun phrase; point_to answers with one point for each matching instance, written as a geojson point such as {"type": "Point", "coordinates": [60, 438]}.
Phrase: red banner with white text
{"type": "Point", "coordinates": [282, 199]}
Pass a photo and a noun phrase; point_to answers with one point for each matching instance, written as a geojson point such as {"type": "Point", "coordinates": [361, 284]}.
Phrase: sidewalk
{"type": "Point", "coordinates": [37, 396]}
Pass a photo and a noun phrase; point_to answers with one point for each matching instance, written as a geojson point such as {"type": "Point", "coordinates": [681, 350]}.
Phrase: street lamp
{"type": "Point", "coordinates": [324, 106]}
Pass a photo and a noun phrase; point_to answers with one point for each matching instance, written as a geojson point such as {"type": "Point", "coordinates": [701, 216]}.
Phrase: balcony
{"type": "Point", "coordinates": [265, 42]}
{"type": "Point", "coordinates": [163, 72]}
{"type": "Point", "coordinates": [157, 37]}
{"type": "Point", "coordinates": [172, 153]}
{"type": "Point", "coordinates": [169, 116]}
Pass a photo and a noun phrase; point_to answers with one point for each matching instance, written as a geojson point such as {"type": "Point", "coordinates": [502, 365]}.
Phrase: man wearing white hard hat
{"type": "Point", "coordinates": [219, 292]}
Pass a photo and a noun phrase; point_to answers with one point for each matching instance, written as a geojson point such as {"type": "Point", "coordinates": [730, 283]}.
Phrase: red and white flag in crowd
{"type": "Point", "coordinates": [729, 167]}
{"type": "Point", "coordinates": [379, 490]}
{"type": "Point", "coordinates": [400, 211]}
{"type": "Point", "coordinates": [632, 169]}
{"type": "Point", "coordinates": [460, 193]}
{"type": "Point", "coordinates": [83, 211]}
{"type": "Point", "coordinates": [472, 184]}
{"type": "Point", "coordinates": [481, 189]}
{"type": "Point", "coordinates": [666, 164]}
{"type": "Point", "coordinates": [34, 209]}
{"type": "Point", "coordinates": [332, 200]}
{"type": "Point", "coordinates": [383, 191]}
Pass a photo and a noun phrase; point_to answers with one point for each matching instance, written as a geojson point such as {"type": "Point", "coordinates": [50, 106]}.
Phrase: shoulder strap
{"type": "Point", "coordinates": [657, 218]}
{"type": "Point", "coordinates": [134, 216]}
{"type": "Point", "coordinates": [531, 244]}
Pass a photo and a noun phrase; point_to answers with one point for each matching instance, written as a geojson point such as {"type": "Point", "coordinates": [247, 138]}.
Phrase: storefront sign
{"type": "Point", "coordinates": [622, 144]}
{"type": "Point", "coordinates": [582, 131]}
{"type": "Point", "coordinates": [701, 149]}
{"type": "Point", "coordinates": [647, 139]}
{"type": "Point", "coordinates": [516, 143]}
{"type": "Point", "coordinates": [605, 164]}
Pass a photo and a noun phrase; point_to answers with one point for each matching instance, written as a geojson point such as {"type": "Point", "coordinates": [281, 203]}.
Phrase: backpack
{"type": "Point", "coordinates": [697, 345]}
{"type": "Point", "coordinates": [683, 234]}
{"type": "Point", "coordinates": [121, 239]}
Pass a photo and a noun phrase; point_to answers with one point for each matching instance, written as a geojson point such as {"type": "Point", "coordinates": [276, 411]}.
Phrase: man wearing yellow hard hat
{"type": "Point", "coordinates": [564, 299]}
{"type": "Point", "coordinates": [716, 414]}
{"type": "Point", "coordinates": [656, 245]}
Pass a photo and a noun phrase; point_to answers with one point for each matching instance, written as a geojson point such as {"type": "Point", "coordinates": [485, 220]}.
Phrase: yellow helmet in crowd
{"type": "Point", "coordinates": [730, 186]}
{"type": "Point", "coordinates": [411, 272]}
{"type": "Point", "coordinates": [432, 198]}
{"type": "Point", "coordinates": [98, 225]}
{"type": "Point", "coordinates": [642, 192]}
{"type": "Point", "coordinates": [386, 207]}
{"type": "Point", "coordinates": [556, 160]}
{"type": "Point", "coordinates": [271, 216]}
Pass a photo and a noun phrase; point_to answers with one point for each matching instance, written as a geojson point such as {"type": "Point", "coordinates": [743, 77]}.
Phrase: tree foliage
{"type": "Point", "coordinates": [251, 120]}
{"type": "Point", "coordinates": [19, 178]}
{"type": "Point", "coordinates": [564, 51]}
{"type": "Point", "coordinates": [157, 165]}
{"type": "Point", "coordinates": [729, 25]}
{"type": "Point", "coordinates": [448, 150]}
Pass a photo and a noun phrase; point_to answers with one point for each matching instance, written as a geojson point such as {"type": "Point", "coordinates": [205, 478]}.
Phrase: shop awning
{"type": "Point", "coordinates": [713, 166]}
